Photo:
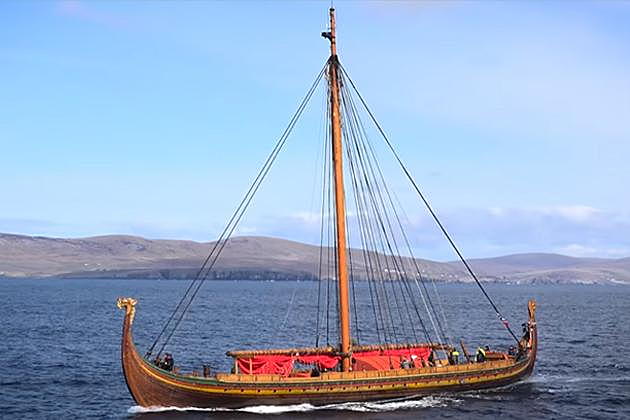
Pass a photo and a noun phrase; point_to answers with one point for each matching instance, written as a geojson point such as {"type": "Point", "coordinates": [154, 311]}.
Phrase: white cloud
{"type": "Point", "coordinates": [496, 211]}
{"type": "Point", "coordinates": [246, 230]}
{"type": "Point", "coordinates": [577, 230]}
{"type": "Point", "coordinates": [576, 213]}
{"type": "Point", "coordinates": [577, 250]}
{"type": "Point", "coordinates": [306, 217]}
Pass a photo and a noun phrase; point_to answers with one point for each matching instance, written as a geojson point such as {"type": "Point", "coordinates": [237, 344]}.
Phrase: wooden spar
{"type": "Point", "coordinates": [340, 205]}
{"type": "Point", "coordinates": [466, 355]}
{"type": "Point", "coordinates": [333, 351]}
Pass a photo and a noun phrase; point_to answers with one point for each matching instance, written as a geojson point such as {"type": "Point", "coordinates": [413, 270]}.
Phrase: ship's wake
{"type": "Point", "coordinates": [367, 407]}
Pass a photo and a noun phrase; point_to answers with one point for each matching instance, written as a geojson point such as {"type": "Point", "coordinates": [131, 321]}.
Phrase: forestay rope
{"type": "Point", "coordinates": [202, 274]}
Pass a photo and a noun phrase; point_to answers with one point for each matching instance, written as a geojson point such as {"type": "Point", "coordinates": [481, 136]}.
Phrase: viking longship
{"type": "Point", "coordinates": [411, 354]}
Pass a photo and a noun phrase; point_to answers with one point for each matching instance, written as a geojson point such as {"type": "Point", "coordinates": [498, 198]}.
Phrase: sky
{"type": "Point", "coordinates": [152, 118]}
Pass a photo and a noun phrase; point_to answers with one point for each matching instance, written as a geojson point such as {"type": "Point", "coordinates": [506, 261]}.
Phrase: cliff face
{"type": "Point", "coordinates": [264, 258]}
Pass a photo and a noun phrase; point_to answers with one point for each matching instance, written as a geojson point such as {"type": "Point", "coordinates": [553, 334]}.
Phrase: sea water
{"type": "Point", "coordinates": [60, 347]}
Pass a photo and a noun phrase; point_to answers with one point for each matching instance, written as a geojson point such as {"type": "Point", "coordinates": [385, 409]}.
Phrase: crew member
{"type": "Point", "coordinates": [453, 357]}
{"type": "Point", "coordinates": [157, 361]}
{"type": "Point", "coordinates": [525, 332]}
{"type": "Point", "coordinates": [414, 362]}
{"type": "Point", "coordinates": [168, 362]}
{"type": "Point", "coordinates": [405, 364]}
{"type": "Point", "coordinates": [481, 354]}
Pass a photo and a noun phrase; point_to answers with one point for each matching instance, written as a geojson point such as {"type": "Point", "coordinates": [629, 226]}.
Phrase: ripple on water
{"type": "Point", "coordinates": [62, 347]}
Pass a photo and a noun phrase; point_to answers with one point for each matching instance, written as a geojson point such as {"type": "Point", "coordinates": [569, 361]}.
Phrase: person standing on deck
{"type": "Point", "coordinates": [481, 355]}
{"type": "Point", "coordinates": [453, 357]}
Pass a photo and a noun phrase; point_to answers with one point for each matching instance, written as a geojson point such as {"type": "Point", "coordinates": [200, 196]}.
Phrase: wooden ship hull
{"type": "Point", "coordinates": [152, 386]}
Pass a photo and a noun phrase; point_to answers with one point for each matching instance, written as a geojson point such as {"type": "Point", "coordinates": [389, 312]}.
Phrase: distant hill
{"type": "Point", "coordinates": [531, 262]}
{"type": "Point", "coordinates": [246, 257]}
{"type": "Point", "coordinates": [552, 268]}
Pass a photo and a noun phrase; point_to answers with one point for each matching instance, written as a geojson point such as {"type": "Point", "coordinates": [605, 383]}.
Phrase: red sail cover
{"type": "Point", "coordinates": [366, 360]}
{"type": "Point", "coordinates": [389, 359]}
{"type": "Point", "coordinates": [270, 364]}
{"type": "Point", "coordinates": [322, 361]}
{"type": "Point", "coordinates": [283, 365]}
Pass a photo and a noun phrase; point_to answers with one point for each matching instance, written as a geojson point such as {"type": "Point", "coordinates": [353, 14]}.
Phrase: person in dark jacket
{"type": "Point", "coordinates": [168, 362]}
{"type": "Point", "coordinates": [481, 355]}
{"type": "Point", "coordinates": [525, 332]}
{"type": "Point", "coordinates": [453, 357]}
{"type": "Point", "coordinates": [157, 361]}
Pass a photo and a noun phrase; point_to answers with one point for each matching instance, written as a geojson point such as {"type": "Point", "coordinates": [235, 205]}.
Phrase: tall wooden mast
{"type": "Point", "coordinates": [340, 205]}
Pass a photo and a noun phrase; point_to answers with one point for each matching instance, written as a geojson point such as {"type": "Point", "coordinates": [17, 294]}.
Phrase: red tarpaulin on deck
{"type": "Point", "coordinates": [322, 361]}
{"type": "Point", "coordinates": [389, 359]}
{"type": "Point", "coordinates": [283, 365]}
{"type": "Point", "coordinates": [366, 360]}
{"type": "Point", "coordinates": [270, 364]}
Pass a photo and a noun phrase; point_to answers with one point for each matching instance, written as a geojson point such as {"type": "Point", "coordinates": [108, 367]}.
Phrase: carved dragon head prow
{"type": "Point", "coordinates": [532, 310]}
{"type": "Point", "coordinates": [129, 304]}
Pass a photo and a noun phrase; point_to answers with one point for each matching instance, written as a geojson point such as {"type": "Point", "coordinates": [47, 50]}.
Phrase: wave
{"type": "Point", "coordinates": [555, 379]}
{"type": "Point", "coordinates": [382, 406]}
{"type": "Point", "coordinates": [604, 379]}
{"type": "Point", "coordinates": [137, 409]}
{"type": "Point", "coordinates": [366, 407]}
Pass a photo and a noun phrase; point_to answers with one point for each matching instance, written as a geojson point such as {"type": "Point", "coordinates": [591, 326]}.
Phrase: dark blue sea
{"type": "Point", "coordinates": [60, 343]}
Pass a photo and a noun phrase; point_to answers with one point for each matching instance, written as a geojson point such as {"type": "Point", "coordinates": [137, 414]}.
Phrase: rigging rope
{"type": "Point", "coordinates": [358, 139]}
{"type": "Point", "coordinates": [399, 263]}
{"type": "Point", "coordinates": [381, 254]}
{"type": "Point", "coordinates": [321, 230]}
{"type": "Point", "coordinates": [428, 206]}
{"type": "Point", "coordinates": [286, 317]}
{"type": "Point", "coordinates": [219, 245]}
{"type": "Point", "coordinates": [367, 262]}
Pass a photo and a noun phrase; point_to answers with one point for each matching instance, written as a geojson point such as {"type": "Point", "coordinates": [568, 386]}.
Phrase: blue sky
{"type": "Point", "coordinates": [152, 118]}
